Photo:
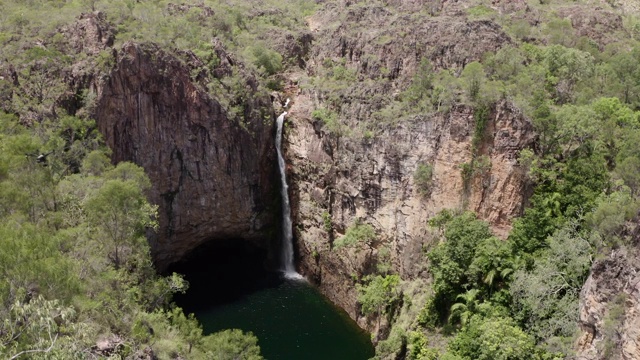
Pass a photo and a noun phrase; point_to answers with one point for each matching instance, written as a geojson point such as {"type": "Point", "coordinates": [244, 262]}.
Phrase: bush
{"type": "Point", "coordinates": [379, 295]}
{"type": "Point", "coordinates": [423, 178]}
{"type": "Point", "coordinates": [266, 60]}
{"type": "Point", "coordinates": [326, 221]}
{"type": "Point", "coordinates": [232, 344]}
{"type": "Point", "coordinates": [474, 78]}
{"type": "Point", "coordinates": [330, 121]}
{"type": "Point", "coordinates": [357, 234]}
{"type": "Point", "coordinates": [493, 339]}
{"type": "Point", "coordinates": [451, 260]}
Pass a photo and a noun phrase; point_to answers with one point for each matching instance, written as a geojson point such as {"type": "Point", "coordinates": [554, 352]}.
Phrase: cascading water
{"type": "Point", "coordinates": [288, 265]}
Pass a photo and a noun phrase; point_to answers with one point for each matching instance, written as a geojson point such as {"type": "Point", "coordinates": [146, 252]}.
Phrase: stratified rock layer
{"type": "Point", "coordinates": [211, 177]}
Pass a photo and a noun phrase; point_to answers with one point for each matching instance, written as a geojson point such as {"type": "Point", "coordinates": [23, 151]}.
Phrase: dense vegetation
{"type": "Point", "coordinates": [78, 278]}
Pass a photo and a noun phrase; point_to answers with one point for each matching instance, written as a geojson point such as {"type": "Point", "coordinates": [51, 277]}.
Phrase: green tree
{"type": "Point", "coordinates": [474, 78]}
{"type": "Point", "coordinates": [493, 264]}
{"type": "Point", "coordinates": [506, 64]}
{"type": "Point", "coordinates": [545, 299]}
{"type": "Point", "coordinates": [188, 327]}
{"type": "Point", "coordinates": [451, 259]}
{"type": "Point", "coordinates": [566, 67]}
{"type": "Point", "coordinates": [466, 308]}
{"type": "Point", "coordinates": [357, 234]}
{"type": "Point", "coordinates": [379, 294]}
{"type": "Point", "coordinates": [627, 68]}
{"type": "Point", "coordinates": [493, 338]}
{"type": "Point", "coordinates": [611, 213]}
{"type": "Point", "coordinates": [231, 345]}
{"type": "Point", "coordinates": [120, 209]}
{"type": "Point", "coordinates": [266, 60]}
{"type": "Point", "coordinates": [560, 32]}
{"type": "Point", "coordinates": [31, 263]}
{"type": "Point", "coordinates": [331, 121]}
{"type": "Point", "coordinates": [614, 120]}
{"type": "Point", "coordinates": [423, 178]}
{"type": "Point", "coordinates": [33, 328]}
{"type": "Point", "coordinates": [418, 347]}
{"type": "Point", "coordinates": [418, 94]}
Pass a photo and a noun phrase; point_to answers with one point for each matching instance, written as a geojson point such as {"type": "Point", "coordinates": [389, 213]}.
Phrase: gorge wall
{"type": "Point", "coordinates": [336, 182]}
{"type": "Point", "coordinates": [340, 180]}
{"type": "Point", "coordinates": [610, 307]}
{"type": "Point", "coordinates": [212, 177]}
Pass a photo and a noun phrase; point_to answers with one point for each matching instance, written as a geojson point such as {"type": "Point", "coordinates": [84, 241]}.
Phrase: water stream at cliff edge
{"type": "Point", "coordinates": [287, 258]}
{"type": "Point", "coordinates": [230, 289]}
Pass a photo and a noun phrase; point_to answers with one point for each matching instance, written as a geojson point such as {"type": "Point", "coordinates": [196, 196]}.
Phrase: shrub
{"type": "Point", "coordinates": [474, 78]}
{"type": "Point", "coordinates": [423, 178]}
{"type": "Point", "coordinates": [266, 60]}
{"type": "Point", "coordinates": [357, 234]}
{"type": "Point", "coordinates": [326, 221]}
{"type": "Point", "coordinates": [330, 121]}
{"type": "Point", "coordinates": [379, 294]}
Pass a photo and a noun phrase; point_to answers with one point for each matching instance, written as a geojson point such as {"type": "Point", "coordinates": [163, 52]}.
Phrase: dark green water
{"type": "Point", "coordinates": [292, 320]}
{"type": "Point", "coordinates": [229, 288]}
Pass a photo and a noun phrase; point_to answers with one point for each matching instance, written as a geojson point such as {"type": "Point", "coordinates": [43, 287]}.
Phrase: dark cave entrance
{"type": "Point", "coordinates": [224, 271]}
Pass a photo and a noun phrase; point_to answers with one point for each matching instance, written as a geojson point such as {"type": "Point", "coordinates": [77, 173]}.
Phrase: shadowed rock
{"type": "Point", "coordinates": [212, 177]}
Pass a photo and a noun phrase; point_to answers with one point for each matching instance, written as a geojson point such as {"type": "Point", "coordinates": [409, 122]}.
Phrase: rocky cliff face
{"type": "Point", "coordinates": [336, 182]}
{"type": "Point", "coordinates": [211, 176]}
{"type": "Point", "coordinates": [610, 307]}
{"type": "Point", "coordinates": [340, 180]}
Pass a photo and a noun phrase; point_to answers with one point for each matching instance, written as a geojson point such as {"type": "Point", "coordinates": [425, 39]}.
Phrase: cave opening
{"type": "Point", "coordinates": [223, 271]}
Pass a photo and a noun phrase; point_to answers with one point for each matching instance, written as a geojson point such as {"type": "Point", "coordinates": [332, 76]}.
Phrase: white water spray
{"type": "Point", "coordinates": [288, 264]}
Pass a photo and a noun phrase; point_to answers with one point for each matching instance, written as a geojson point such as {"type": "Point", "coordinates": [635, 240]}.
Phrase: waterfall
{"type": "Point", "coordinates": [288, 264]}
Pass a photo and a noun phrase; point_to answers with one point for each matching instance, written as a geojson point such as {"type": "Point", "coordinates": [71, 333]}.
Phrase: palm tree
{"type": "Point", "coordinates": [466, 308]}
{"type": "Point", "coordinates": [498, 273]}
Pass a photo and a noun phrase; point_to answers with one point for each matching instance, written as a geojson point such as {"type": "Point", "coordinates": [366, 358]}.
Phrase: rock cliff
{"type": "Point", "coordinates": [339, 180]}
{"type": "Point", "coordinates": [336, 182]}
{"type": "Point", "coordinates": [211, 175]}
{"type": "Point", "coordinates": [610, 307]}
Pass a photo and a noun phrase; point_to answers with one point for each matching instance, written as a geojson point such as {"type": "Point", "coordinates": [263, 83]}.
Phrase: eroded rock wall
{"type": "Point", "coordinates": [336, 181]}
{"type": "Point", "coordinates": [339, 180]}
{"type": "Point", "coordinates": [212, 178]}
{"type": "Point", "coordinates": [610, 307]}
